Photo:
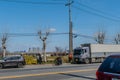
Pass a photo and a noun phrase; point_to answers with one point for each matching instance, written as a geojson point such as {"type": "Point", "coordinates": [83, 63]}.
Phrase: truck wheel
{"type": "Point", "coordinates": [1, 66]}
{"type": "Point", "coordinates": [87, 61]}
{"type": "Point", "coordinates": [20, 65]}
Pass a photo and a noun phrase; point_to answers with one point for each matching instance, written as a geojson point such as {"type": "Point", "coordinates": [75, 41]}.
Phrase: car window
{"type": "Point", "coordinates": [8, 58]}
{"type": "Point", "coordinates": [12, 58]}
{"type": "Point", "coordinates": [111, 64]}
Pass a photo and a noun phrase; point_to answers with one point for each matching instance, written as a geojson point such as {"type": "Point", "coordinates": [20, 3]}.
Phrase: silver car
{"type": "Point", "coordinates": [12, 61]}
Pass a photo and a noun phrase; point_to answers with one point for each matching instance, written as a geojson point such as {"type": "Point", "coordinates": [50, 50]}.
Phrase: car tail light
{"type": "Point", "coordinates": [99, 75]}
{"type": "Point", "coordinates": [103, 76]}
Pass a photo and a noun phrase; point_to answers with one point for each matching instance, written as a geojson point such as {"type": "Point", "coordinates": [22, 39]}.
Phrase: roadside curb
{"type": "Point", "coordinates": [43, 65]}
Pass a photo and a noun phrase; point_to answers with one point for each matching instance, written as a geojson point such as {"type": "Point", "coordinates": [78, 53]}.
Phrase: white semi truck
{"type": "Point", "coordinates": [89, 53]}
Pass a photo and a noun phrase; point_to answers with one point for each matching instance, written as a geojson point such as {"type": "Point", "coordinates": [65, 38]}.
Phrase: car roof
{"type": "Point", "coordinates": [115, 55]}
{"type": "Point", "coordinates": [13, 56]}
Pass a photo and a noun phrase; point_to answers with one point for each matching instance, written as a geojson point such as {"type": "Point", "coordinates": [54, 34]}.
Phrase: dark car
{"type": "Point", "coordinates": [12, 61]}
{"type": "Point", "coordinates": [109, 69]}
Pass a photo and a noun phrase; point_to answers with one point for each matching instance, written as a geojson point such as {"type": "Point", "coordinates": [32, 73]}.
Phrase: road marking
{"type": "Point", "coordinates": [43, 74]}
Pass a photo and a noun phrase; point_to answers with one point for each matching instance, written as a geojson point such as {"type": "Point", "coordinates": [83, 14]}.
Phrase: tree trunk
{"type": "Point", "coordinates": [44, 52]}
{"type": "Point", "coordinates": [4, 52]}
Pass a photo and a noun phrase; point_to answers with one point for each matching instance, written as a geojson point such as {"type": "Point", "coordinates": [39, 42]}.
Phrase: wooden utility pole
{"type": "Point", "coordinates": [70, 27]}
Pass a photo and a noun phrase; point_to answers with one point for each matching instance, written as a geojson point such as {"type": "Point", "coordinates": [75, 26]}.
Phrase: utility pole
{"type": "Point", "coordinates": [70, 27]}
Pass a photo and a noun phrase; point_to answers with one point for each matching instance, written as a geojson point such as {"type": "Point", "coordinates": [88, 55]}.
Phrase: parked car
{"type": "Point", "coordinates": [11, 61]}
{"type": "Point", "coordinates": [109, 69]}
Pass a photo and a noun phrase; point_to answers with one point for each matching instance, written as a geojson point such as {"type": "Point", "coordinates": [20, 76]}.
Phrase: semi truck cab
{"type": "Point", "coordinates": [80, 54]}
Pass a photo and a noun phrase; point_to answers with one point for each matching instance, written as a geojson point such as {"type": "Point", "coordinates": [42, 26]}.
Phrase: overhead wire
{"type": "Point", "coordinates": [31, 2]}
{"type": "Point", "coordinates": [85, 36]}
{"type": "Point", "coordinates": [96, 10]}
{"type": "Point", "coordinates": [35, 34]}
{"type": "Point", "coordinates": [96, 14]}
{"type": "Point", "coordinates": [75, 35]}
{"type": "Point", "coordinates": [56, 3]}
{"type": "Point", "coordinates": [91, 37]}
{"type": "Point", "coordinates": [31, 34]}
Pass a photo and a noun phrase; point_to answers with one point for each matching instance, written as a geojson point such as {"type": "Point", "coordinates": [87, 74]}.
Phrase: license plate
{"type": "Point", "coordinates": [115, 79]}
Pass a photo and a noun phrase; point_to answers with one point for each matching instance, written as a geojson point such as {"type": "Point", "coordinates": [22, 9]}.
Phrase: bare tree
{"type": "Point", "coordinates": [100, 37]}
{"type": "Point", "coordinates": [117, 39]}
{"type": "Point", "coordinates": [4, 39]}
{"type": "Point", "coordinates": [60, 50]}
{"type": "Point", "coordinates": [43, 38]}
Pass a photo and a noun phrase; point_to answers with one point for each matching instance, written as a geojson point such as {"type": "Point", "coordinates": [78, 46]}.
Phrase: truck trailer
{"type": "Point", "coordinates": [89, 53]}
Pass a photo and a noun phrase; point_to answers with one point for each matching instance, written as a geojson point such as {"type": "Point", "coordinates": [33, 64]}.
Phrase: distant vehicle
{"type": "Point", "coordinates": [11, 61]}
{"type": "Point", "coordinates": [89, 53]}
{"type": "Point", "coordinates": [109, 69]}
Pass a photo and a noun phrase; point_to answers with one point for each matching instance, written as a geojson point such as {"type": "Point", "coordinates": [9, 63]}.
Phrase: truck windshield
{"type": "Point", "coordinates": [78, 51]}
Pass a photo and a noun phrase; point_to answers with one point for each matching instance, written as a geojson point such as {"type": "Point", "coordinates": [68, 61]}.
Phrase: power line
{"type": "Point", "coordinates": [96, 14]}
{"type": "Point", "coordinates": [28, 2]}
{"type": "Point", "coordinates": [30, 34]}
{"type": "Point", "coordinates": [85, 36]}
{"type": "Point", "coordinates": [35, 34]}
{"type": "Point", "coordinates": [58, 0]}
{"type": "Point", "coordinates": [55, 34]}
{"type": "Point", "coordinates": [97, 10]}
{"type": "Point", "coordinates": [91, 37]}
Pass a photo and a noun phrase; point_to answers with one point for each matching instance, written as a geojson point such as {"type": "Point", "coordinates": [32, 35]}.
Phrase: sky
{"type": "Point", "coordinates": [88, 17]}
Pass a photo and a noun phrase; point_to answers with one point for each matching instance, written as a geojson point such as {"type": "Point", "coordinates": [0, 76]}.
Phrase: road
{"type": "Point", "coordinates": [50, 72]}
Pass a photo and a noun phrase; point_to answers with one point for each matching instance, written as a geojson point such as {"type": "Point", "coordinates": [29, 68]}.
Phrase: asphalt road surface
{"type": "Point", "coordinates": [50, 72]}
